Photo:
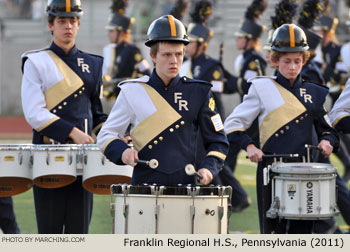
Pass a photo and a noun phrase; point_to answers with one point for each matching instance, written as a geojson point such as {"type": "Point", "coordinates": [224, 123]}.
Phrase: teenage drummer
{"type": "Point", "coordinates": [164, 113]}
{"type": "Point", "coordinates": [60, 98]}
{"type": "Point", "coordinates": [287, 108]}
{"type": "Point", "coordinates": [340, 113]}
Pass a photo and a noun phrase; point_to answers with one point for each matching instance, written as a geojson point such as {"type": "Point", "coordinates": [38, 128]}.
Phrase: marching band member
{"type": "Point", "coordinates": [122, 59]}
{"type": "Point", "coordinates": [179, 9]}
{"type": "Point", "coordinates": [204, 67]}
{"type": "Point", "coordinates": [285, 11]}
{"type": "Point", "coordinates": [249, 64]}
{"type": "Point", "coordinates": [335, 75]}
{"type": "Point", "coordinates": [311, 10]}
{"type": "Point", "coordinates": [340, 113]}
{"type": "Point", "coordinates": [60, 91]}
{"type": "Point", "coordinates": [164, 113]}
{"type": "Point", "coordinates": [287, 108]}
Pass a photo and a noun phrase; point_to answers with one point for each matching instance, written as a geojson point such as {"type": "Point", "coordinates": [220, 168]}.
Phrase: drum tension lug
{"type": "Point", "coordinates": [20, 157]}
{"type": "Point", "coordinates": [47, 158]}
{"type": "Point", "coordinates": [272, 213]}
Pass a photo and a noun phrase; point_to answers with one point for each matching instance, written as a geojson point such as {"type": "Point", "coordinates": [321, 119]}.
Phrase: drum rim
{"type": "Point", "coordinates": [184, 190]}
{"type": "Point", "coordinates": [303, 168]}
{"type": "Point", "coordinates": [11, 147]}
{"type": "Point", "coordinates": [55, 147]}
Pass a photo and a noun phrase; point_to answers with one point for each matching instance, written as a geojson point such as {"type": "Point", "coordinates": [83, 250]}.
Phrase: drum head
{"type": "Point", "coordinates": [10, 186]}
{"type": "Point", "coordinates": [101, 184]}
{"type": "Point", "coordinates": [54, 180]}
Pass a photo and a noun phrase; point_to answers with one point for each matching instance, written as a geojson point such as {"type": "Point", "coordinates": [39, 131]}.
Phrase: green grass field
{"type": "Point", "coordinates": [245, 222]}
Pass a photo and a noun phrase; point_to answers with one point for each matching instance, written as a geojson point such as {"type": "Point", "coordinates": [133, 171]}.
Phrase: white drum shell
{"type": "Point", "coordinates": [96, 164]}
{"type": "Point", "coordinates": [15, 161]}
{"type": "Point", "coordinates": [174, 214]}
{"type": "Point", "coordinates": [58, 160]}
{"type": "Point", "coordinates": [99, 173]}
{"type": "Point", "coordinates": [15, 169]}
{"type": "Point", "coordinates": [305, 191]}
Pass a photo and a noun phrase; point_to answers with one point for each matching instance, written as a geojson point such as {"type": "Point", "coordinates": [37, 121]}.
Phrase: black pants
{"type": "Point", "coordinates": [226, 177]}
{"type": "Point", "coordinates": [63, 210]}
{"type": "Point", "coordinates": [8, 222]}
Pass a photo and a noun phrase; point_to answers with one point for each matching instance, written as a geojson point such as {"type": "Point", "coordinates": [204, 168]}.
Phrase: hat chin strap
{"type": "Point", "coordinates": [117, 37]}
{"type": "Point", "coordinates": [197, 49]}
{"type": "Point", "coordinates": [246, 43]}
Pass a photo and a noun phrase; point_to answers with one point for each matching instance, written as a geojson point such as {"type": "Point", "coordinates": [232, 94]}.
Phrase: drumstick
{"type": "Point", "coordinates": [86, 125]}
{"type": "Point", "coordinates": [153, 163]}
{"type": "Point", "coordinates": [279, 156]}
{"type": "Point", "coordinates": [189, 169]}
{"type": "Point", "coordinates": [309, 146]}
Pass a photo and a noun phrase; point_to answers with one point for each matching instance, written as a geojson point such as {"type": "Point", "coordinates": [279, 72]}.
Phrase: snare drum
{"type": "Point", "coordinates": [304, 191]}
{"type": "Point", "coordinates": [15, 169]}
{"type": "Point", "coordinates": [99, 173]}
{"type": "Point", "coordinates": [54, 165]}
{"type": "Point", "coordinates": [170, 210]}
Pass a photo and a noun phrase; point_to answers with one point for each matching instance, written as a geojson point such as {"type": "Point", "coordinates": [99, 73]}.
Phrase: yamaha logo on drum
{"type": "Point", "coordinates": [309, 198]}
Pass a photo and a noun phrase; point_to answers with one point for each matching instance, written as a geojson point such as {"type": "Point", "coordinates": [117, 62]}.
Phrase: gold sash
{"type": "Point", "coordinates": [152, 126]}
{"type": "Point", "coordinates": [281, 116]}
{"type": "Point", "coordinates": [66, 87]}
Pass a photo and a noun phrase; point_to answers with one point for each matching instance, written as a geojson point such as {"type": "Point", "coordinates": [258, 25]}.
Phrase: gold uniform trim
{"type": "Point", "coordinates": [292, 36]}
{"type": "Point", "coordinates": [216, 74]}
{"type": "Point", "coordinates": [66, 87]}
{"type": "Point", "coordinates": [152, 126]}
{"type": "Point", "coordinates": [234, 130]}
{"type": "Point", "coordinates": [217, 154]}
{"type": "Point", "coordinates": [94, 130]}
{"type": "Point", "coordinates": [211, 104]}
{"type": "Point", "coordinates": [338, 119]}
{"type": "Point", "coordinates": [291, 109]}
{"type": "Point", "coordinates": [47, 123]}
{"type": "Point", "coordinates": [172, 26]}
{"type": "Point", "coordinates": [68, 8]}
{"type": "Point", "coordinates": [107, 143]}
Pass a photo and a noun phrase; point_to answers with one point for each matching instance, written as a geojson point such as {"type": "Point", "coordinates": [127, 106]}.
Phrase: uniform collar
{"type": "Point", "coordinates": [285, 83]}
{"type": "Point", "coordinates": [60, 52]}
{"type": "Point", "coordinates": [156, 81]}
{"type": "Point", "coordinates": [121, 45]}
{"type": "Point", "coordinates": [247, 52]}
{"type": "Point", "coordinates": [329, 46]}
{"type": "Point", "coordinates": [200, 58]}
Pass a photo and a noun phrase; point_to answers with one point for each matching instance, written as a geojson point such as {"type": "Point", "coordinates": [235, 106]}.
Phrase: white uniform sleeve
{"type": "Point", "coordinates": [341, 107]}
{"type": "Point", "coordinates": [245, 113]}
{"type": "Point", "coordinates": [250, 74]}
{"type": "Point", "coordinates": [117, 122]}
{"type": "Point", "coordinates": [33, 98]}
